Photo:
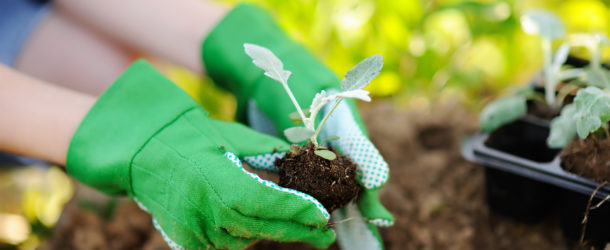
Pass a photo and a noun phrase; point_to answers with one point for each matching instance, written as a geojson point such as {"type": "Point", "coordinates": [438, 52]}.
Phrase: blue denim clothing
{"type": "Point", "coordinates": [18, 18]}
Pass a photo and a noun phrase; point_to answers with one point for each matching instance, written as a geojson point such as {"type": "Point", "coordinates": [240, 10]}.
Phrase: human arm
{"type": "Point", "coordinates": [38, 119]}
{"type": "Point", "coordinates": [171, 30]}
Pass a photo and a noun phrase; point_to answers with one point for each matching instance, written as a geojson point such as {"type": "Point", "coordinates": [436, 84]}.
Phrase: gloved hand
{"type": "Point", "coordinates": [228, 65]}
{"type": "Point", "coordinates": [147, 139]}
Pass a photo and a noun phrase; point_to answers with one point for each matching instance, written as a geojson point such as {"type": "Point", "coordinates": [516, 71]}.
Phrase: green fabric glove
{"type": "Point", "coordinates": [146, 138]}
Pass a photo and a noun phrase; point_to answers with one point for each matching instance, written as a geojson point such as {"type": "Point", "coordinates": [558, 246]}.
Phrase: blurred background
{"type": "Point", "coordinates": [465, 51]}
{"type": "Point", "coordinates": [468, 51]}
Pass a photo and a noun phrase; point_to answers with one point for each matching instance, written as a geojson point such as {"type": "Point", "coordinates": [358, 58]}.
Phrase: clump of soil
{"type": "Point", "coordinates": [589, 158]}
{"type": "Point", "coordinates": [333, 183]}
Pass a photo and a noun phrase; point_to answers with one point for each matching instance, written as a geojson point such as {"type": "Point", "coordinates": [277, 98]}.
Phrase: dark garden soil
{"type": "Point", "coordinates": [436, 196]}
{"type": "Point", "coordinates": [332, 183]}
{"type": "Point", "coordinates": [589, 158]}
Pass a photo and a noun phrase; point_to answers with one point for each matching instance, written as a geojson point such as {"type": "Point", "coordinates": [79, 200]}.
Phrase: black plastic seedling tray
{"type": "Point", "coordinates": [524, 180]}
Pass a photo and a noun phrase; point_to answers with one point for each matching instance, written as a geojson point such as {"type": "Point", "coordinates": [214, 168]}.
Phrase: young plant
{"type": "Point", "coordinates": [588, 114]}
{"type": "Point", "coordinates": [352, 87]}
{"type": "Point", "coordinates": [594, 43]}
{"type": "Point", "coordinates": [507, 109]}
{"type": "Point", "coordinates": [550, 28]}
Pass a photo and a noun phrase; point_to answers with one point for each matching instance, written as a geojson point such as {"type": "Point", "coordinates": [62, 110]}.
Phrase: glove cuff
{"type": "Point", "coordinates": [139, 103]}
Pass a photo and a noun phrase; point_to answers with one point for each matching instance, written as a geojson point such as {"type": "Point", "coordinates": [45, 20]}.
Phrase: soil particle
{"type": "Point", "coordinates": [332, 183]}
{"type": "Point", "coordinates": [589, 158]}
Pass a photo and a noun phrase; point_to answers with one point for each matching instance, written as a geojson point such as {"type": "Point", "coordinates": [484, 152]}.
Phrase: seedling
{"type": "Point", "coordinates": [550, 28]}
{"type": "Point", "coordinates": [352, 87]}
{"type": "Point", "coordinates": [588, 114]}
{"type": "Point", "coordinates": [594, 74]}
{"type": "Point", "coordinates": [313, 168]}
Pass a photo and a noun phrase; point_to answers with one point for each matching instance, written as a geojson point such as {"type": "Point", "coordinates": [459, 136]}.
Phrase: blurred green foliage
{"type": "Point", "coordinates": [470, 51]}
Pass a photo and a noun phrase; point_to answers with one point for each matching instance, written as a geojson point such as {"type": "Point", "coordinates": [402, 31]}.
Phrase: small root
{"type": "Point", "coordinates": [332, 224]}
{"type": "Point", "coordinates": [589, 208]}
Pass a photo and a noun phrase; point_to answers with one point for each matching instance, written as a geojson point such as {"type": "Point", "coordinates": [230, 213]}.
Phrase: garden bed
{"type": "Point", "coordinates": [437, 197]}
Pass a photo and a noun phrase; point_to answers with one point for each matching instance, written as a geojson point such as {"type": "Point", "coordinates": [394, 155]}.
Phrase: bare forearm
{"type": "Point", "coordinates": [172, 30]}
{"type": "Point", "coordinates": [38, 119]}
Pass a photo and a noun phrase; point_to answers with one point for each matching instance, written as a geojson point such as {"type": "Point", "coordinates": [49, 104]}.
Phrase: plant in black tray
{"type": "Point", "coordinates": [561, 83]}
{"type": "Point", "coordinates": [313, 168]}
{"type": "Point", "coordinates": [587, 117]}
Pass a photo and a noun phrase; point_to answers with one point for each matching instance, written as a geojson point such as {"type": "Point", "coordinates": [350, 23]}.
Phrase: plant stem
{"type": "Point", "coordinates": [315, 136]}
{"type": "Point", "coordinates": [549, 83]}
{"type": "Point", "coordinates": [595, 57]}
{"type": "Point", "coordinates": [294, 101]}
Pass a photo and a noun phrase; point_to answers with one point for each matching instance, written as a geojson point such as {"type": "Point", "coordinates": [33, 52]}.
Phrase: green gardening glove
{"type": "Point", "coordinates": [147, 139]}
{"type": "Point", "coordinates": [261, 100]}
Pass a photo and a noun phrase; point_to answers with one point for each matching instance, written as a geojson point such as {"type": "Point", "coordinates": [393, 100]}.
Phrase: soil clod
{"type": "Point", "coordinates": [333, 183]}
{"type": "Point", "coordinates": [589, 158]}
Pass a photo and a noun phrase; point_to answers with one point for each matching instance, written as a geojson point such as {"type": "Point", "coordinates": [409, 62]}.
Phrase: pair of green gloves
{"type": "Point", "coordinates": [146, 138]}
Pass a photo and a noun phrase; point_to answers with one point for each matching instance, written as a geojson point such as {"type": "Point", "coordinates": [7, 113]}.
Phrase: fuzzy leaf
{"type": "Point", "coordinates": [586, 125]}
{"type": "Point", "coordinates": [298, 134]}
{"type": "Point", "coordinates": [563, 127]}
{"type": "Point", "coordinates": [362, 74]}
{"type": "Point", "coordinates": [603, 39]}
{"type": "Point", "coordinates": [502, 111]}
{"type": "Point", "coordinates": [593, 105]}
{"type": "Point", "coordinates": [319, 100]}
{"type": "Point", "coordinates": [295, 118]}
{"type": "Point", "coordinates": [589, 40]}
{"type": "Point", "coordinates": [543, 23]}
{"type": "Point", "coordinates": [266, 60]}
{"type": "Point", "coordinates": [332, 138]}
{"type": "Point", "coordinates": [598, 77]}
{"type": "Point", "coordinates": [326, 154]}
{"type": "Point", "coordinates": [357, 93]}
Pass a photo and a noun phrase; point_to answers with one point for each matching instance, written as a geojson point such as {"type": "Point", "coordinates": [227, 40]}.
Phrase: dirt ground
{"type": "Point", "coordinates": [436, 196]}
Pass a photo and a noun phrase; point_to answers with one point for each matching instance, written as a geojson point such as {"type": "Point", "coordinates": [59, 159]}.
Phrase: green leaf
{"type": "Point", "coordinates": [502, 111]}
{"type": "Point", "coordinates": [593, 107]}
{"type": "Point", "coordinates": [362, 74]}
{"type": "Point", "coordinates": [295, 118]}
{"type": "Point", "coordinates": [298, 134]}
{"type": "Point", "coordinates": [597, 77]}
{"type": "Point", "coordinates": [266, 60]}
{"type": "Point", "coordinates": [543, 23]}
{"type": "Point", "coordinates": [586, 125]}
{"type": "Point", "coordinates": [563, 127]}
{"type": "Point", "coordinates": [326, 154]}
{"type": "Point", "coordinates": [330, 138]}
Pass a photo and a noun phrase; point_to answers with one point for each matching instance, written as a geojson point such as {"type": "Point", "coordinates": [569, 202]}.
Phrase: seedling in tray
{"type": "Point", "coordinates": [508, 109]}
{"type": "Point", "coordinates": [559, 81]}
{"type": "Point", "coordinates": [314, 168]}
